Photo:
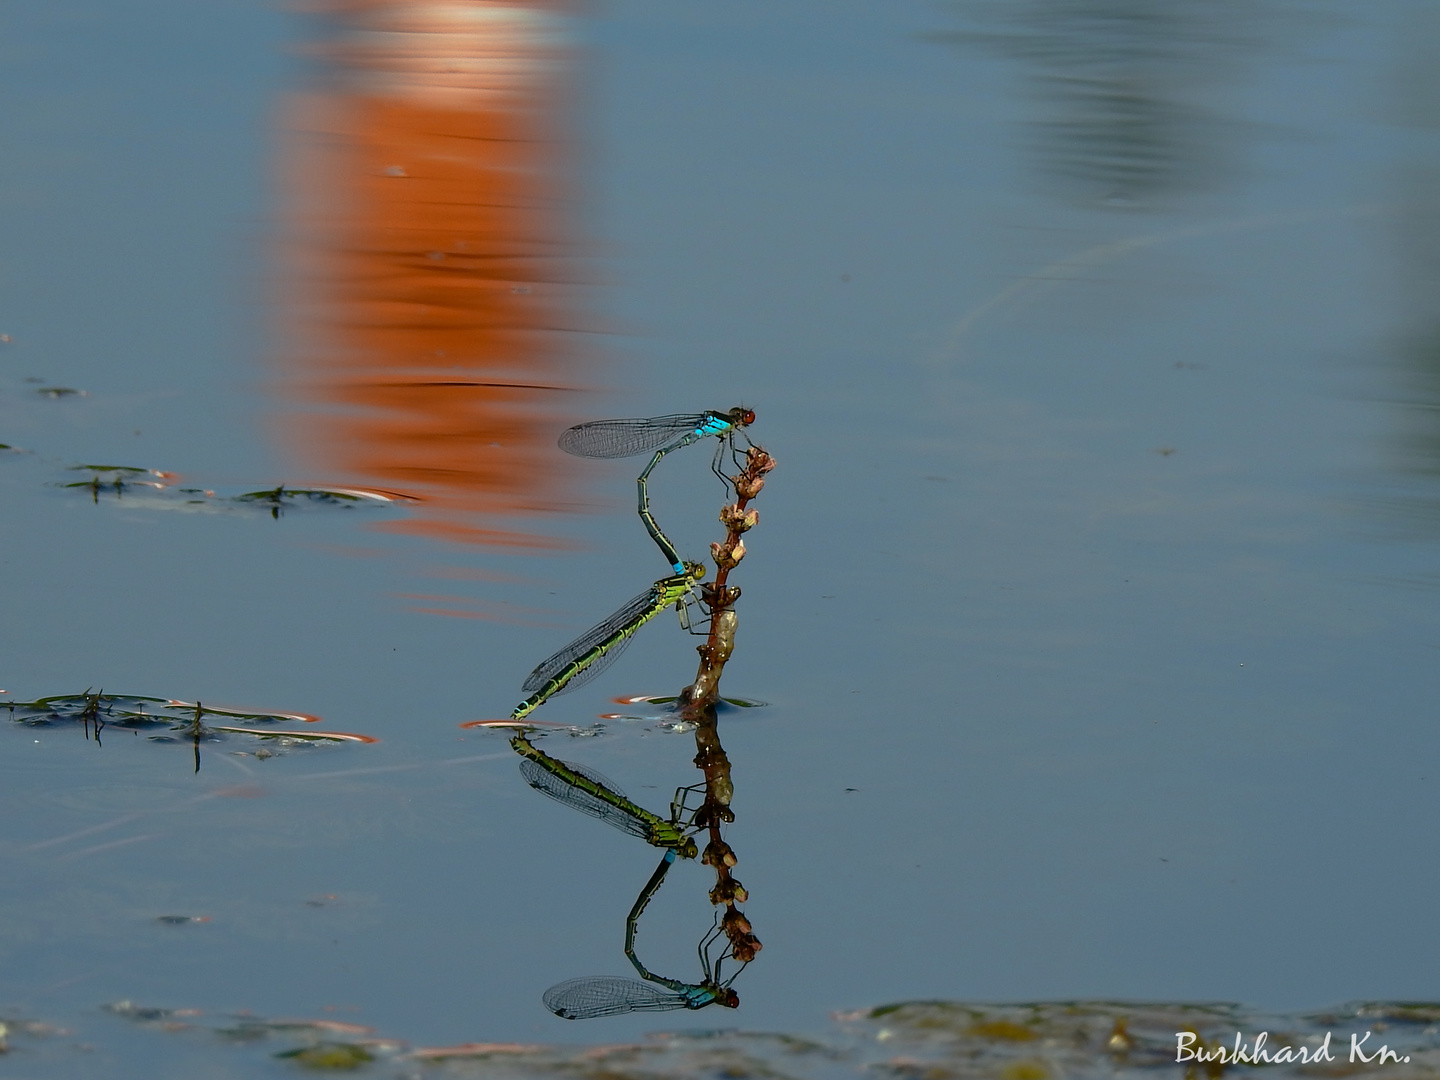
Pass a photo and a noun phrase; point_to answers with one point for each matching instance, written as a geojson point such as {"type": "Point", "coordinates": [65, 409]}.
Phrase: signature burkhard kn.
{"type": "Point", "coordinates": [1190, 1047]}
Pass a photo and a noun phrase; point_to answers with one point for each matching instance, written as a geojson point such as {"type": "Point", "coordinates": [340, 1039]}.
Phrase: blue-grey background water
{"type": "Point", "coordinates": [1093, 599]}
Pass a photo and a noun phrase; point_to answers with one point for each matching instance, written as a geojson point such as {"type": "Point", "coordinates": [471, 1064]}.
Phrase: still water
{"type": "Point", "coordinates": [1091, 609]}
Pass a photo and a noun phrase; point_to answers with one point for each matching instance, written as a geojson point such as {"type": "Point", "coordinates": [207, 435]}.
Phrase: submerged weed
{"type": "Point", "coordinates": [330, 1056]}
{"type": "Point", "coordinates": [172, 720]}
{"type": "Point", "coordinates": [158, 489]}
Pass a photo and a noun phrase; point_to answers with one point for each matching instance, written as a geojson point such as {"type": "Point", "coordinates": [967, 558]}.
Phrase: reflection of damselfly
{"type": "Point", "coordinates": [593, 651]}
{"type": "Point", "coordinates": [626, 438]}
{"type": "Point", "coordinates": [583, 789]}
{"type": "Point", "coordinates": [608, 995]}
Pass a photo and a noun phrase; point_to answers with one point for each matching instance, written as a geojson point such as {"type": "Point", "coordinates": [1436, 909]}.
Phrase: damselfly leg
{"type": "Point", "coordinates": [727, 442]}
{"type": "Point", "coordinates": [682, 608]}
{"type": "Point", "coordinates": [682, 813]}
{"type": "Point", "coordinates": [711, 971]}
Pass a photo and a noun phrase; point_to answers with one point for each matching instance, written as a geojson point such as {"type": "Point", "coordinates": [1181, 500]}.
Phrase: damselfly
{"type": "Point", "coordinates": [593, 651]}
{"type": "Point", "coordinates": [585, 790]}
{"type": "Point", "coordinates": [609, 995]}
{"type": "Point", "coordinates": [626, 438]}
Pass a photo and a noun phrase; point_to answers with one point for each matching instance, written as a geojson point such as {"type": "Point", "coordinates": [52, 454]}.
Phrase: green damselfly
{"type": "Point", "coordinates": [583, 789]}
{"type": "Point", "coordinates": [662, 434]}
{"type": "Point", "coordinates": [609, 995]}
{"type": "Point", "coordinates": [594, 650]}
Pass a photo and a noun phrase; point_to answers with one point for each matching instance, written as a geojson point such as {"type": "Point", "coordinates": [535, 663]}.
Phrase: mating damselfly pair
{"type": "Point", "coordinates": [611, 995]}
{"type": "Point", "coordinates": [583, 789]}
{"type": "Point", "coordinates": [593, 651]}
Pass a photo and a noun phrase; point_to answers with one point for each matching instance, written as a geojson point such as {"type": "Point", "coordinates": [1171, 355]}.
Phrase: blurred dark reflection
{"type": "Point", "coordinates": [1418, 107]}
{"type": "Point", "coordinates": [1127, 90]}
{"type": "Point", "coordinates": [431, 275]}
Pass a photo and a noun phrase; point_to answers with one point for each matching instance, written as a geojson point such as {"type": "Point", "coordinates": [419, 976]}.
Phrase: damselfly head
{"type": "Point", "coordinates": [728, 998]}
{"type": "Point", "coordinates": [694, 570]}
{"type": "Point", "coordinates": [741, 416]}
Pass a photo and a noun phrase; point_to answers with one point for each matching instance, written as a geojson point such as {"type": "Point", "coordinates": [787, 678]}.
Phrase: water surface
{"type": "Point", "coordinates": [1092, 602]}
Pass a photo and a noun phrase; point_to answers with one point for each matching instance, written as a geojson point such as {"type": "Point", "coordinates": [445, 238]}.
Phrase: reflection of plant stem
{"type": "Point", "coordinates": [92, 712]}
{"type": "Point", "coordinates": [699, 700]}
{"type": "Point", "coordinates": [728, 890]}
{"type": "Point", "coordinates": [196, 730]}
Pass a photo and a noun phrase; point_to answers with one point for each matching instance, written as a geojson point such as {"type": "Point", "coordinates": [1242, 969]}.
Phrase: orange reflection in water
{"type": "Point", "coordinates": [431, 294]}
